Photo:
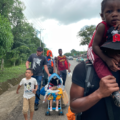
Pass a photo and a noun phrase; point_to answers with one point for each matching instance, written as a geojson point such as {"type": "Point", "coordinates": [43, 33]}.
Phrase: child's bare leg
{"type": "Point", "coordinates": [57, 102]}
{"type": "Point", "coordinates": [25, 108]}
{"type": "Point", "coordinates": [51, 103]}
{"type": "Point", "coordinates": [31, 115]}
{"type": "Point", "coordinates": [25, 116]}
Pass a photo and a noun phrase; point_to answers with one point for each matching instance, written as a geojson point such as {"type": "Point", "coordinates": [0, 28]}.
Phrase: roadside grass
{"type": "Point", "coordinates": [12, 72]}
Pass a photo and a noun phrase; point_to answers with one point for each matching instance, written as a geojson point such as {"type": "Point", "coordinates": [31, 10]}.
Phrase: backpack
{"type": "Point", "coordinates": [50, 61]}
{"type": "Point", "coordinates": [89, 77]}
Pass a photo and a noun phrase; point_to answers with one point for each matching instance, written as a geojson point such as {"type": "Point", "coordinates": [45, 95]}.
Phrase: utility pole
{"type": "Point", "coordinates": [40, 35]}
{"type": "Point", "coordinates": [43, 46]}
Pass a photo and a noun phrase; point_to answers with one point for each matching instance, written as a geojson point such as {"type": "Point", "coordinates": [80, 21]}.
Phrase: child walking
{"type": "Point", "coordinates": [30, 88]}
{"type": "Point", "coordinates": [110, 14]}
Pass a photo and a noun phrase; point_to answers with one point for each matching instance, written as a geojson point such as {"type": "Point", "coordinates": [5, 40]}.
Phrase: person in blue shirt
{"type": "Point", "coordinates": [50, 65]}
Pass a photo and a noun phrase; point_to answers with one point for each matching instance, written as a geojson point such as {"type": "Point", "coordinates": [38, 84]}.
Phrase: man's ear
{"type": "Point", "coordinates": [101, 14]}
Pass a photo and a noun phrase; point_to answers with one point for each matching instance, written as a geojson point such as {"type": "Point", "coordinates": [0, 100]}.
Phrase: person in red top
{"type": "Point", "coordinates": [61, 67]}
{"type": "Point", "coordinates": [110, 13]}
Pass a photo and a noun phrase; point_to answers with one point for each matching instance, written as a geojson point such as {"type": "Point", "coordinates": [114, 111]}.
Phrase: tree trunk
{"type": "Point", "coordinates": [14, 63]}
{"type": "Point", "coordinates": [21, 61]}
{"type": "Point", "coordinates": [2, 64]}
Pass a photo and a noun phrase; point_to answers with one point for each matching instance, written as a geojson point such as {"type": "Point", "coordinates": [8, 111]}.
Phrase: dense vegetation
{"type": "Point", "coordinates": [75, 53]}
{"type": "Point", "coordinates": [18, 38]}
{"type": "Point", "coordinates": [86, 34]}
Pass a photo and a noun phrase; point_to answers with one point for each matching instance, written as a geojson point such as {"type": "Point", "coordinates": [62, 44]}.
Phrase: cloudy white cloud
{"type": "Point", "coordinates": [62, 19]}
{"type": "Point", "coordinates": [64, 11]}
{"type": "Point", "coordinates": [65, 36]}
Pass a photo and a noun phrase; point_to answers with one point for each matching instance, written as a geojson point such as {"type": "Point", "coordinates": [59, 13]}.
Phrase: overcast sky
{"type": "Point", "coordinates": [61, 21]}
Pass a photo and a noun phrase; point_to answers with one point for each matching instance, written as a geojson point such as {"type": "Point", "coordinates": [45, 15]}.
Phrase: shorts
{"type": "Point", "coordinates": [28, 103]}
{"type": "Point", "coordinates": [54, 96]}
{"type": "Point", "coordinates": [100, 67]}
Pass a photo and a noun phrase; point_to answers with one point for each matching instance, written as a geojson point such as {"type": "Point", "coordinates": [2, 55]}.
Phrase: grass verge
{"type": "Point", "coordinates": [12, 72]}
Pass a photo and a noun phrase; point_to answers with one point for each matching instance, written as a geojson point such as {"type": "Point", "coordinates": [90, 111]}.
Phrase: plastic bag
{"type": "Point", "coordinates": [69, 74]}
{"type": "Point", "coordinates": [70, 115]}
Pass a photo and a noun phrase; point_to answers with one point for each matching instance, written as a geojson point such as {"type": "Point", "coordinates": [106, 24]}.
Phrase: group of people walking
{"type": "Point", "coordinates": [94, 96]}
{"type": "Point", "coordinates": [38, 68]}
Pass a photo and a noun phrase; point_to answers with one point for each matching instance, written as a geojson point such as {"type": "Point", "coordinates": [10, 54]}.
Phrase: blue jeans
{"type": "Point", "coordinates": [45, 79]}
{"type": "Point", "coordinates": [39, 79]}
{"type": "Point", "coordinates": [63, 74]}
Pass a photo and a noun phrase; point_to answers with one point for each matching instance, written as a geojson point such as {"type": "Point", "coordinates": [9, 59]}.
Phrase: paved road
{"type": "Point", "coordinates": [40, 113]}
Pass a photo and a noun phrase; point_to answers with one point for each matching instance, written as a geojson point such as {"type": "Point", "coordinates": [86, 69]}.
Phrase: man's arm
{"type": "Point", "coordinates": [28, 61]}
{"type": "Point", "coordinates": [46, 70]}
{"type": "Point", "coordinates": [68, 64]}
{"type": "Point", "coordinates": [54, 68]}
{"type": "Point", "coordinates": [58, 72]}
{"type": "Point", "coordinates": [27, 64]}
{"type": "Point", "coordinates": [79, 103]}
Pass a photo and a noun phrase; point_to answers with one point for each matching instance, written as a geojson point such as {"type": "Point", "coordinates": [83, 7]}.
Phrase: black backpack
{"type": "Point", "coordinates": [89, 77]}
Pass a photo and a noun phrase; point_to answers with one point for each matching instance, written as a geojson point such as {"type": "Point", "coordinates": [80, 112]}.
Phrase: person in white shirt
{"type": "Point", "coordinates": [30, 88]}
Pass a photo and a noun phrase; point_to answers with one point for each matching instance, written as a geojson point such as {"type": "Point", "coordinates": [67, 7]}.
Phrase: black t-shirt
{"type": "Point", "coordinates": [99, 110]}
{"type": "Point", "coordinates": [37, 63]}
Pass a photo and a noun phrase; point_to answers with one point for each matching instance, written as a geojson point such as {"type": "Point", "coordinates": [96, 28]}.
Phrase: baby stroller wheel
{"type": "Point", "coordinates": [61, 113]}
{"type": "Point", "coordinates": [47, 113]}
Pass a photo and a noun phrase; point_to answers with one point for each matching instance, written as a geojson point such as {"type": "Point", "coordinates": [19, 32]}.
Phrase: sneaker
{"type": "Point", "coordinates": [116, 98]}
{"type": "Point", "coordinates": [36, 107]}
{"type": "Point", "coordinates": [56, 109]}
{"type": "Point", "coordinates": [50, 108]}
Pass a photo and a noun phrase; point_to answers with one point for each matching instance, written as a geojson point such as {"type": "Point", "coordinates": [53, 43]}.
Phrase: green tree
{"type": "Point", "coordinates": [25, 40]}
{"type": "Point", "coordinates": [6, 37]}
{"type": "Point", "coordinates": [68, 54]}
{"type": "Point", "coordinates": [5, 7]}
{"type": "Point", "coordinates": [86, 34]}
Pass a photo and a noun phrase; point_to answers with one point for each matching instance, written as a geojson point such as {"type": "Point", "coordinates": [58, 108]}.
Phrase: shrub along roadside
{"type": "Point", "coordinates": [12, 72]}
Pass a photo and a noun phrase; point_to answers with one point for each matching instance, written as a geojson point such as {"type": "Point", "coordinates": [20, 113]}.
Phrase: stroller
{"type": "Point", "coordinates": [54, 80]}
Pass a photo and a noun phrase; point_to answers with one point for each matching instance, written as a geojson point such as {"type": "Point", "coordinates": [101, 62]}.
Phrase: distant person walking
{"type": "Point", "coordinates": [38, 61]}
{"type": "Point", "coordinates": [61, 67]}
{"type": "Point", "coordinates": [50, 65]}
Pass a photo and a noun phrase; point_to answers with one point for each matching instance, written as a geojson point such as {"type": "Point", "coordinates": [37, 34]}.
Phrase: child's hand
{"type": "Point", "coordinates": [117, 26]}
{"type": "Point", "coordinates": [112, 64]}
{"type": "Point", "coordinates": [34, 91]}
{"type": "Point", "coordinates": [17, 92]}
{"type": "Point", "coordinates": [56, 93]}
{"type": "Point", "coordinates": [45, 100]}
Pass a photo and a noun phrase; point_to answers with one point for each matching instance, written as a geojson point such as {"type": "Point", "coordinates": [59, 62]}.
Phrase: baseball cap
{"type": "Point", "coordinates": [40, 49]}
{"type": "Point", "coordinates": [113, 39]}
